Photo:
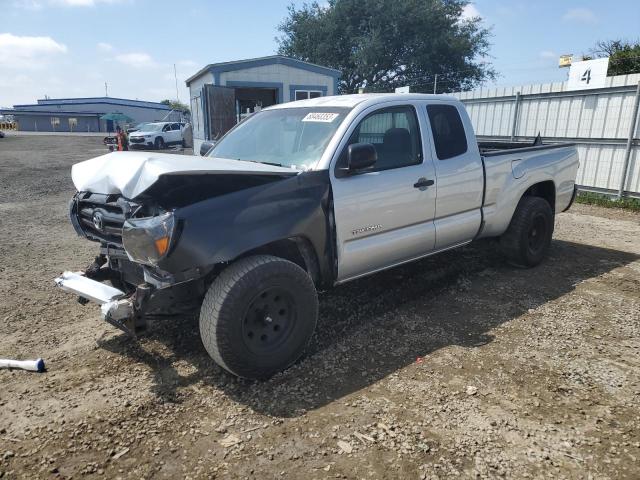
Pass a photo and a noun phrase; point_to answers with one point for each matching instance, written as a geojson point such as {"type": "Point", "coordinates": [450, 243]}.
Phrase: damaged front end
{"type": "Point", "coordinates": [134, 238]}
{"type": "Point", "coordinates": [164, 235]}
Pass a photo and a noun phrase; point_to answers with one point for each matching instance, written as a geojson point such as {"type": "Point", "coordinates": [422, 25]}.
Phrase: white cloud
{"type": "Point", "coordinates": [27, 52]}
{"type": "Point", "coordinates": [136, 60]}
{"type": "Point", "coordinates": [105, 47]}
{"type": "Point", "coordinates": [580, 15]}
{"type": "Point", "coordinates": [470, 12]}
{"type": "Point", "coordinates": [546, 54]}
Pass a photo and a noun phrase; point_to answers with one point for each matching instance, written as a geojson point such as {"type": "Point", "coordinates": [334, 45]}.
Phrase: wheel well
{"type": "Point", "coordinates": [297, 250]}
{"type": "Point", "coordinates": [546, 190]}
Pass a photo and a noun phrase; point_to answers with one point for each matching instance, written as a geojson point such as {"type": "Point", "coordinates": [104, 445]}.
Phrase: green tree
{"type": "Point", "coordinates": [176, 105]}
{"type": "Point", "coordinates": [382, 44]}
{"type": "Point", "coordinates": [624, 56]}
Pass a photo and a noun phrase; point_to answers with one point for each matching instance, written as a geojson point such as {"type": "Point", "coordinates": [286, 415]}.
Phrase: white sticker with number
{"type": "Point", "coordinates": [320, 117]}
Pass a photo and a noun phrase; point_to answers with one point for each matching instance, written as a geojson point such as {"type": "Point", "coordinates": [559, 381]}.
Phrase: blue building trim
{"type": "Point", "coordinates": [127, 101]}
{"type": "Point", "coordinates": [149, 107]}
{"type": "Point", "coordinates": [49, 113]}
{"type": "Point", "coordinates": [293, 88]}
{"type": "Point", "coordinates": [277, 85]}
{"type": "Point", "coordinates": [264, 61]}
{"type": "Point", "coordinates": [216, 78]}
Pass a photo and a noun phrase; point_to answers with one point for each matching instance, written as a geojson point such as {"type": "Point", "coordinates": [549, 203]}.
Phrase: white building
{"type": "Point", "coordinates": [223, 93]}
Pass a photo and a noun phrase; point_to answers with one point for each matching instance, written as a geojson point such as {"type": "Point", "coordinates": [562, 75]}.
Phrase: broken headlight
{"type": "Point", "coordinates": [147, 240]}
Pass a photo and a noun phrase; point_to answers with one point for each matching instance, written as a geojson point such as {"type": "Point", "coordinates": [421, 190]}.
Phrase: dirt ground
{"type": "Point", "coordinates": [456, 366]}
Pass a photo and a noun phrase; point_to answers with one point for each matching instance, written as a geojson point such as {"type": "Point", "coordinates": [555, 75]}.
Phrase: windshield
{"type": "Point", "coordinates": [149, 127]}
{"type": "Point", "coordinates": [290, 137]}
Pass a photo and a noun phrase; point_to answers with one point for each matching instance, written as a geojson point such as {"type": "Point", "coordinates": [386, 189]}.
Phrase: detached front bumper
{"type": "Point", "coordinates": [117, 308]}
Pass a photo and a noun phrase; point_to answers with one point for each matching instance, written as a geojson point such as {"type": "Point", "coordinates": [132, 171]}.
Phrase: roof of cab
{"type": "Point", "coordinates": [350, 101]}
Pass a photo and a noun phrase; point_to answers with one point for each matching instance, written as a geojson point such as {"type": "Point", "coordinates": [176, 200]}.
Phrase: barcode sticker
{"type": "Point", "coordinates": [320, 117]}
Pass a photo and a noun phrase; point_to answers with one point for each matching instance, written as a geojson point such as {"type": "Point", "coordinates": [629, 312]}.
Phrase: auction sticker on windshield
{"type": "Point", "coordinates": [320, 117]}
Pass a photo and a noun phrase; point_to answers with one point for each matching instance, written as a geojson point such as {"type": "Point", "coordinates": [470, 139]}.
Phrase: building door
{"type": "Point", "coordinates": [219, 111]}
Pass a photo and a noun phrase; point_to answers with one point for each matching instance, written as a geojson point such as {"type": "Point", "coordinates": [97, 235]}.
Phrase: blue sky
{"type": "Point", "coordinates": [69, 48]}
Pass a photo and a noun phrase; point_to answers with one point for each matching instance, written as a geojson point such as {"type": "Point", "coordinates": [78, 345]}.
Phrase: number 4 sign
{"type": "Point", "coordinates": [588, 74]}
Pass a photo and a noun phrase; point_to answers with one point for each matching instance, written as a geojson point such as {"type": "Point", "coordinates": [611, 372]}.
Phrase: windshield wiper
{"type": "Point", "coordinates": [266, 163]}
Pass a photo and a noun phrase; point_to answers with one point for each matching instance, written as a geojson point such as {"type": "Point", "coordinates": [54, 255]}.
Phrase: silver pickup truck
{"type": "Point", "coordinates": [301, 197]}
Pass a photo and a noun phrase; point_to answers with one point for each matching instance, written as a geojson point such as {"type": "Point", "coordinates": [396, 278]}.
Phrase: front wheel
{"type": "Point", "coordinates": [528, 237]}
{"type": "Point", "coordinates": [159, 143]}
{"type": "Point", "coordinates": [258, 316]}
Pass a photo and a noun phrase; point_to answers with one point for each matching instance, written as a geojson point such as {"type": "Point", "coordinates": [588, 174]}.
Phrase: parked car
{"type": "Point", "coordinates": [156, 135]}
{"type": "Point", "coordinates": [1, 134]}
{"type": "Point", "coordinates": [303, 197]}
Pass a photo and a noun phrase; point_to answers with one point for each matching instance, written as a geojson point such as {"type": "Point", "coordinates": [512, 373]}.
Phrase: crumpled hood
{"type": "Point", "coordinates": [131, 173]}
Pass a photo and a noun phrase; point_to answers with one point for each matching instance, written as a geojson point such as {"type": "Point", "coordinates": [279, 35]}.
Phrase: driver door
{"type": "Point", "coordinates": [385, 216]}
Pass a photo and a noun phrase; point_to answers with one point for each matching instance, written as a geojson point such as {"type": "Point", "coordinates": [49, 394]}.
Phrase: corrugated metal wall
{"type": "Point", "coordinates": [598, 121]}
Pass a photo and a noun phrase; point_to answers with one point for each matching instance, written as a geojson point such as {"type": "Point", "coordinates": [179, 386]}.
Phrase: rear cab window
{"type": "Point", "coordinates": [449, 136]}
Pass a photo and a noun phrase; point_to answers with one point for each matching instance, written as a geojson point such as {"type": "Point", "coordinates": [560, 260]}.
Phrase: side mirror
{"type": "Point", "coordinates": [206, 147]}
{"type": "Point", "coordinates": [361, 156]}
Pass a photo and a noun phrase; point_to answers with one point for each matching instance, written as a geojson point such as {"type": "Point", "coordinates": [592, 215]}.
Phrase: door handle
{"type": "Point", "coordinates": [423, 183]}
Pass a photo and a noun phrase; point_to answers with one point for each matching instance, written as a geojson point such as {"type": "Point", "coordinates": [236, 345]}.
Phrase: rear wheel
{"type": "Point", "coordinates": [258, 316]}
{"type": "Point", "coordinates": [159, 143]}
{"type": "Point", "coordinates": [528, 237]}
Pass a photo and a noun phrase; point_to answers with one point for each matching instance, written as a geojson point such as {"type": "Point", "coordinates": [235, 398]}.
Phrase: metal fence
{"type": "Point", "coordinates": [603, 123]}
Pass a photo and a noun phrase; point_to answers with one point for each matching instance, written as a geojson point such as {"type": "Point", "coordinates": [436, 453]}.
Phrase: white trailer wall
{"type": "Point", "coordinates": [598, 121]}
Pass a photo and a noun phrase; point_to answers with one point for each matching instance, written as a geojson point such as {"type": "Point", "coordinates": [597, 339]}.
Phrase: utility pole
{"type": "Point", "coordinates": [435, 83]}
{"type": "Point", "coordinates": [106, 90]}
{"type": "Point", "coordinates": [175, 75]}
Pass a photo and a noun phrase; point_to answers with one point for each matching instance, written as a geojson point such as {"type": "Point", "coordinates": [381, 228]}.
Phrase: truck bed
{"type": "Point", "coordinates": [492, 148]}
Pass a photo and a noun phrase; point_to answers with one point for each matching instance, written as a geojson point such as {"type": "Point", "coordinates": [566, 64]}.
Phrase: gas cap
{"type": "Point", "coordinates": [517, 168]}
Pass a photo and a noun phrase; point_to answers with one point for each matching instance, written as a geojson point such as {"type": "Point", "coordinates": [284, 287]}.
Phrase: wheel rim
{"type": "Point", "coordinates": [537, 234]}
{"type": "Point", "coordinates": [268, 320]}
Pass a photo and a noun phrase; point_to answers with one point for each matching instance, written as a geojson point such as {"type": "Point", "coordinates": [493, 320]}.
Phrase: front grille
{"type": "Point", "coordinates": [136, 139]}
{"type": "Point", "coordinates": [100, 217]}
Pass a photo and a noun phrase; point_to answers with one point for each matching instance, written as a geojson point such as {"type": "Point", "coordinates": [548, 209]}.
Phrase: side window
{"type": "Point", "coordinates": [175, 126]}
{"type": "Point", "coordinates": [449, 136]}
{"type": "Point", "coordinates": [394, 133]}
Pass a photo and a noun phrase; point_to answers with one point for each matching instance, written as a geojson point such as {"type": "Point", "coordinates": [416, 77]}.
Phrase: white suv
{"type": "Point", "coordinates": [157, 135]}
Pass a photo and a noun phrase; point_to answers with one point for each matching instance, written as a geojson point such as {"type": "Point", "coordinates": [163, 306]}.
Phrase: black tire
{"type": "Point", "coordinates": [527, 240]}
{"type": "Point", "coordinates": [258, 316]}
{"type": "Point", "coordinates": [159, 143]}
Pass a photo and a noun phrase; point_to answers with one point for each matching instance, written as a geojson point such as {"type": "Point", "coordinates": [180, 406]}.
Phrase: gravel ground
{"type": "Point", "coordinates": [459, 365]}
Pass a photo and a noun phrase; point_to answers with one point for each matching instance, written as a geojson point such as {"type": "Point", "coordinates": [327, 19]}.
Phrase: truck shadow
{"type": "Point", "coordinates": [375, 326]}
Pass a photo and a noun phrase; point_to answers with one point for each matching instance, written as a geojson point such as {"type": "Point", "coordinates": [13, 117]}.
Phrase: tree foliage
{"type": "Point", "coordinates": [382, 44]}
{"type": "Point", "coordinates": [624, 56]}
{"type": "Point", "coordinates": [176, 105]}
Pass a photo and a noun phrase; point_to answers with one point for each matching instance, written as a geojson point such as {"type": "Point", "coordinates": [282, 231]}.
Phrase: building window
{"type": "Point", "coordinates": [305, 94]}
{"type": "Point", "coordinates": [55, 122]}
{"type": "Point", "coordinates": [73, 124]}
